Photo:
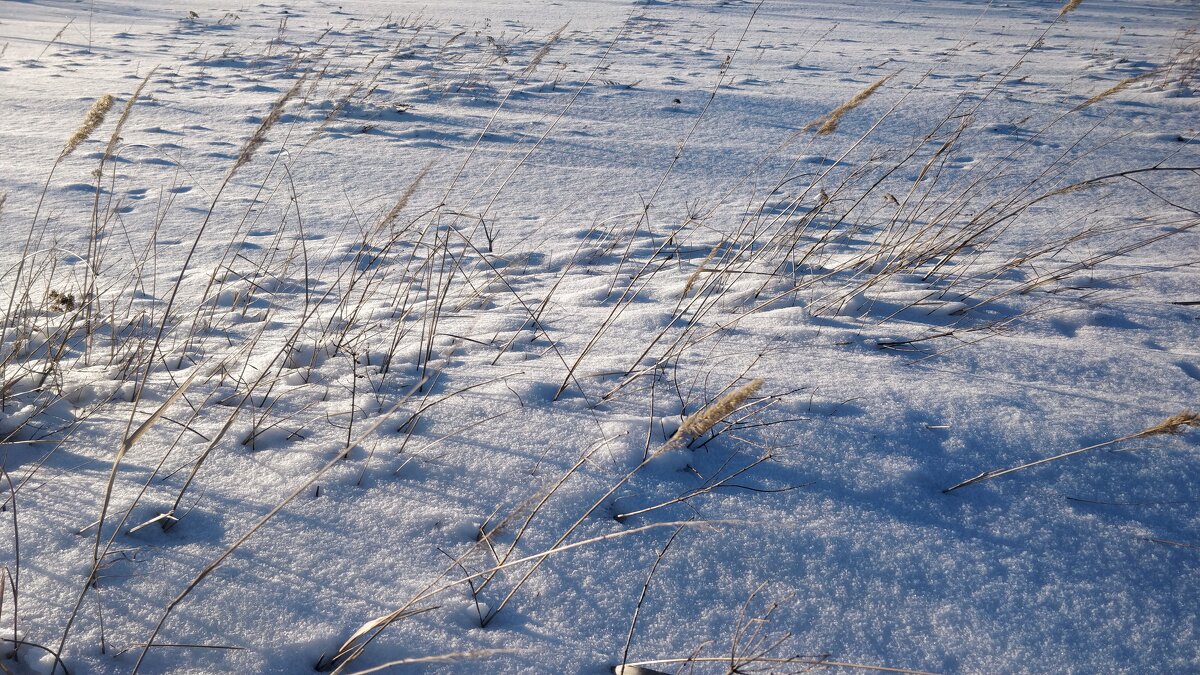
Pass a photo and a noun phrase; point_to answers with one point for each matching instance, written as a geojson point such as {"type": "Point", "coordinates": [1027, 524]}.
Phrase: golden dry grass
{"type": "Point", "coordinates": [1174, 424]}
{"type": "Point", "coordinates": [828, 123]}
{"type": "Point", "coordinates": [1114, 89]}
{"type": "Point", "coordinates": [91, 122]}
{"type": "Point", "coordinates": [702, 420]}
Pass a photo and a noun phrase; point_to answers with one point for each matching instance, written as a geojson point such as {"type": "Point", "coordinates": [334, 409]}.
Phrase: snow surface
{"type": "Point", "coordinates": [611, 215]}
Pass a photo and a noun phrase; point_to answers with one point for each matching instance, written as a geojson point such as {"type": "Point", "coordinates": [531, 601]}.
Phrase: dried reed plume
{"type": "Point", "coordinates": [404, 199]}
{"type": "Point", "coordinates": [1174, 424]}
{"type": "Point", "coordinates": [1114, 89]}
{"type": "Point", "coordinates": [52, 40]}
{"type": "Point", "coordinates": [828, 123]}
{"type": "Point", "coordinates": [91, 122]}
{"type": "Point", "coordinates": [1070, 6]}
{"type": "Point", "coordinates": [260, 134]}
{"type": "Point", "coordinates": [541, 53]}
{"type": "Point", "coordinates": [116, 134]}
{"type": "Point", "coordinates": [694, 276]}
{"type": "Point", "coordinates": [702, 420]}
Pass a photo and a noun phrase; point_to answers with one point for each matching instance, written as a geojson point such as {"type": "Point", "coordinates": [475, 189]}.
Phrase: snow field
{"type": "Point", "coordinates": [381, 335]}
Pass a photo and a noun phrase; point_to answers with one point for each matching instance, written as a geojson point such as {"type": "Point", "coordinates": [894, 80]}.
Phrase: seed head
{"type": "Point", "coordinates": [91, 122]}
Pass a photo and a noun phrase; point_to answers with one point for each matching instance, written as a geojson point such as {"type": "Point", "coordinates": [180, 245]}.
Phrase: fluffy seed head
{"type": "Point", "coordinates": [829, 123]}
{"type": "Point", "coordinates": [1114, 89]}
{"type": "Point", "coordinates": [116, 134]}
{"type": "Point", "coordinates": [702, 420]}
{"type": "Point", "coordinates": [402, 202]}
{"type": "Point", "coordinates": [260, 134]}
{"type": "Point", "coordinates": [91, 122]}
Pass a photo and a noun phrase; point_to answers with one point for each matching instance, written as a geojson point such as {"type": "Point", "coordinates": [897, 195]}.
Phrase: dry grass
{"type": "Point", "coordinates": [828, 123]}
{"type": "Point", "coordinates": [699, 422]}
{"type": "Point", "coordinates": [1174, 424]}
{"type": "Point", "coordinates": [115, 138]}
{"type": "Point", "coordinates": [260, 134]}
{"type": "Point", "coordinates": [1177, 423]}
{"type": "Point", "coordinates": [91, 122]}
{"type": "Point", "coordinates": [1116, 88]}
{"type": "Point", "coordinates": [816, 239]}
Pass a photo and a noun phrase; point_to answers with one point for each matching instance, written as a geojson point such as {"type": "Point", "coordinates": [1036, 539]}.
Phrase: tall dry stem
{"type": "Point", "coordinates": [1174, 424]}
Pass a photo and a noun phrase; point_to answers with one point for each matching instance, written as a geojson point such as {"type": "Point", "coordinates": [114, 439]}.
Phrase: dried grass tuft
{"type": "Point", "coordinates": [541, 53]}
{"type": "Point", "coordinates": [1070, 6]}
